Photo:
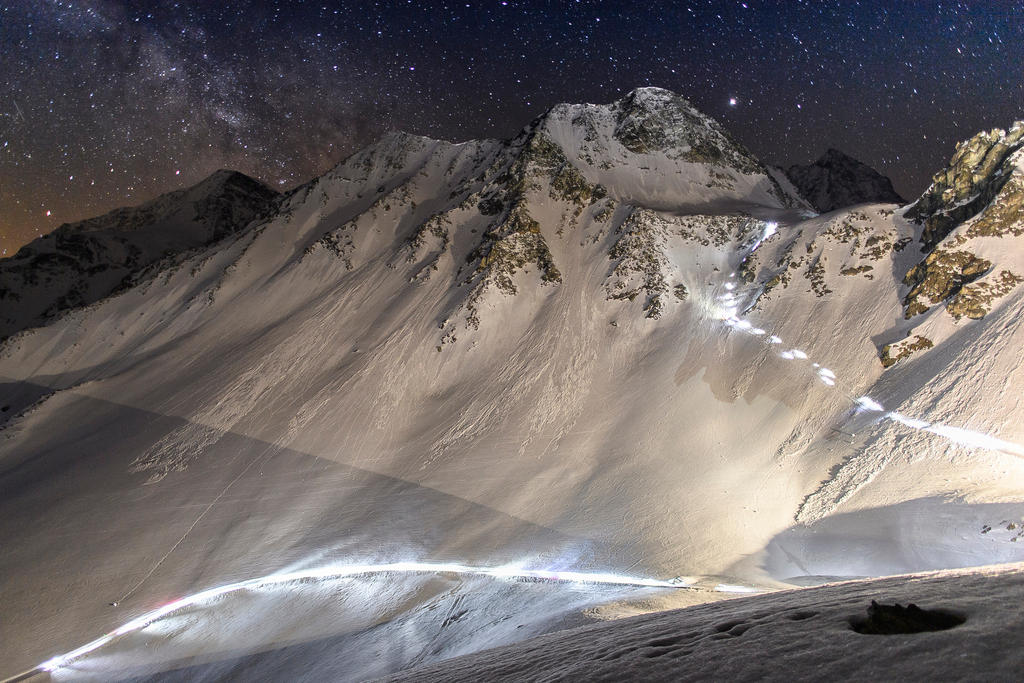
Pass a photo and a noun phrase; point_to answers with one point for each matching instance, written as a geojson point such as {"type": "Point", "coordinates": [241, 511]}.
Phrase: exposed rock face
{"type": "Point", "coordinates": [837, 180]}
{"type": "Point", "coordinates": [894, 353]}
{"type": "Point", "coordinates": [941, 275]}
{"type": "Point", "coordinates": [975, 300]}
{"type": "Point", "coordinates": [652, 119]}
{"type": "Point", "coordinates": [80, 263]}
{"type": "Point", "coordinates": [979, 195]}
{"type": "Point", "coordinates": [980, 168]}
{"type": "Point", "coordinates": [970, 214]}
{"type": "Point", "coordinates": [516, 240]}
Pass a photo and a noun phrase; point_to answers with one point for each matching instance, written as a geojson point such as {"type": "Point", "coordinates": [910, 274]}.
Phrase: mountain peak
{"type": "Point", "coordinates": [663, 134]}
{"type": "Point", "coordinates": [837, 180]}
{"type": "Point", "coordinates": [652, 95]}
{"type": "Point", "coordinates": [834, 156]}
{"type": "Point", "coordinates": [975, 176]}
{"type": "Point", "coordinates": [81, 263]}
{"type": "Point", "coordinates": [226, 175]}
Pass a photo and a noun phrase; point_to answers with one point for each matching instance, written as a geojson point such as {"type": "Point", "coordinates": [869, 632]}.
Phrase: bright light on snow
{"type": "Point", "coordinates": [958, 435]}
{"type": "Point", "coordinates": [868, 403]}
{"type": "Point", "coordinates": [910, 422]}
{"type": "Point", "coordinates": [339, 571]}
{"type": "Point", "coordinates": [731, 588]}
{"type": "Point", "coordinates": [770, 228]}
{"type": "Point", "coordinates": [972, 439]}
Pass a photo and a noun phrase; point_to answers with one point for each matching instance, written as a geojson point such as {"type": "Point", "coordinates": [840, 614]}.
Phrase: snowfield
{"type": "Point", "coordinates": [796, 635]}
{"type": "Point", "coordinates": [616, 343]}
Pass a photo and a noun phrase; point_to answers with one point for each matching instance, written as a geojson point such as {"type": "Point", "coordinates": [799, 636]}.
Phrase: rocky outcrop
{"type": "Point", "coordinates": [81, 263]}
{"type": "Point", "coordinates": [894, 353]}
{"type": "Point", "coordinates": [979, 196]}
{"type": "Point", "coordinates": [975, 300]}
{"type": "Point", "coordinates": [516, 240]}
{"type": "Point", "coordinates": [980, 168]}
{"type": "Point", "coordinates": [982, 190]}
{"type": "Point", "coordinates": [941, 275]}
{"type": "Point", "coordinates": [837, 180]}
{"type": "Point", "coordinates": [650, 119]}
{"type": "Point", "coordinates": [640, 262]}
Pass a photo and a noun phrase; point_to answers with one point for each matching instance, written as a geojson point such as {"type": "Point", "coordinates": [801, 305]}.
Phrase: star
{"type": "Point", "coordinates": [733, 101]}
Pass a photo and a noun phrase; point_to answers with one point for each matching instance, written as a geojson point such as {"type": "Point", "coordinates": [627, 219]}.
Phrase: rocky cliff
{"type": "Point", "coordinates": [837, 180]}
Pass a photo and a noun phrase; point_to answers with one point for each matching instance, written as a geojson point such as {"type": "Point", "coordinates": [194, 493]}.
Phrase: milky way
{"type": "Point", "coordinates": [105, 104]}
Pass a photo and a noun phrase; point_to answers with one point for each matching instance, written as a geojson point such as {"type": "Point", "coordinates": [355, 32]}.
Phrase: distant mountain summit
{"type": "Point", "coordinates": [837, 180]}
{"type": "Point", "coordinates": [654, 147]}
{"type": "Point", "coordinates": [81, 263]}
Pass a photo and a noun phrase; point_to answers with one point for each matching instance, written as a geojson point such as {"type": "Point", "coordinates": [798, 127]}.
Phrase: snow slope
{"type": "Point", "coordinates": [611, 343]}
{"type": "Point", "coordinates": [798, 635]}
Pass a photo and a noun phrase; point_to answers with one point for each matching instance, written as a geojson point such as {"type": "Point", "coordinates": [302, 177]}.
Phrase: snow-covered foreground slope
{"type": "Point", "coordinates": [354, 623]}
{"type": "Point", "coordinates": [614, 343]}
{"type": "Point", "coordinates": [797, 635]}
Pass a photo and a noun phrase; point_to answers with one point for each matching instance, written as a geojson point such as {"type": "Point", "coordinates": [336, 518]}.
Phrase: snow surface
{"type": "Point", "coordinates": [795, 635]}
{"type": "Point", "coordinates": [313, 392]}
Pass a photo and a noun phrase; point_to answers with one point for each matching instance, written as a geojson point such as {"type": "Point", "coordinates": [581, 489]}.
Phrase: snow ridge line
{"type": "Point", "coordinates": [335, 572]}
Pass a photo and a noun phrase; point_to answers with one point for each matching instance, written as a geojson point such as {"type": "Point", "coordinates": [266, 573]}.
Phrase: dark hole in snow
{"type": "Point", "coordinates": [801, 615]}
{"type": "Point", "coordinates": [5, 409]}
{"type": "Point", "coordinates": [887, 620]}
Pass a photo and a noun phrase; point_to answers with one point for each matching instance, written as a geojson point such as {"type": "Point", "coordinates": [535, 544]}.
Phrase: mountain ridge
{"type": "Point", "coordinates": [84, 262]}
{"type": "Point", "coordinates": [501, 352]}
{"type": "Point", "coordinates": [837, 180]}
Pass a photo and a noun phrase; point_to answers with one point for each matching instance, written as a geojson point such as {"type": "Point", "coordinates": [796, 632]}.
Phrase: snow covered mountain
{"type": "Point", "coordinates": [615, 342]}
{"type": "Point", "coordinates": [837, 180]}
{"type": "Point", "coordinates": [78, 264]}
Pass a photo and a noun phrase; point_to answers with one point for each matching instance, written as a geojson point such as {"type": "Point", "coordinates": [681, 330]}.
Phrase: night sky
{"type": "Point", "coordinates": [105, 104]}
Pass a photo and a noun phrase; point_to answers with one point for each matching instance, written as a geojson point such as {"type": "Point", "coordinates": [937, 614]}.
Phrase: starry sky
{"type": "Point", "coordinates": [106, 104]}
